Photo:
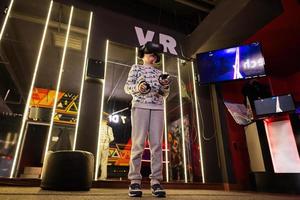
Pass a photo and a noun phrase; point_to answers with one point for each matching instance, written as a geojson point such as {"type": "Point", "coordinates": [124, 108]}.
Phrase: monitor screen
{"type": "Point", "coordinates": [233, 63]}
{"type": "Point", "coordinates": [274, 105]}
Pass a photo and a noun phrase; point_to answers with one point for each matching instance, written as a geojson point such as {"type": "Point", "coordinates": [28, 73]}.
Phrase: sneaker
{"type": "Point", "coordinates": [158, 190]}
{"type": "Point", "coordinates": [135, 190]}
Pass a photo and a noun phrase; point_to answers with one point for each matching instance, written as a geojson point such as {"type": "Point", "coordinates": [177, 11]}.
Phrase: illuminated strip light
{"type": "Point", "coordinates": [7, 140]}
{"type": "Point", "coordinates": [30, 93]}
{"type": "Point", "coordinates": [136, 55]}
{"type": "Point", "coordinates": [165, 126]}
{"type": "Point", "coordinates": [6, 19]}
{"type": "Point", "coordinates": [82, 80]}
{"type": "Point", "coordinates": [58, 83]}
{"type": "Point", "coordinates": [198, 125]}
{"type": "Point", "coordinates": [101, 111]}
{"type": "Point", "coordinates": [182, 124]}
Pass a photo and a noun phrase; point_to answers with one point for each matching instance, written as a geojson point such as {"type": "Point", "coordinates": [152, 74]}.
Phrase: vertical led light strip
{"type": "Point", "coordinates": [101, 111]}
{"type": "Point", "coordinates": [82, 79]}
{"type": "Point", "coordinates": [58, 83]}
{"type": "Point", "coordinates": [6, 19]}
{"type": "Point", "coordinates": [136, 55]}
{"type": "Point", "coordinates": [181, 119]}
{"type": "Point", "coordinates": [30, 93]}
{"type": "Point", "coordinates": [165, 126]}
{"type": "Point", "coordinates": [198, 125]}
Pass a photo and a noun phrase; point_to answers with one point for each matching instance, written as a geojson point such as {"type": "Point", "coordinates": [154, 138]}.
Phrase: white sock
{"type": "Point", "coordinates": [154, 181]}
{"type": "Point", "coordinates": [135, 181]}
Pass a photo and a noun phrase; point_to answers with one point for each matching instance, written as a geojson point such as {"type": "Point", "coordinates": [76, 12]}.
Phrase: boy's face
{"type": "Point", "coordinates": [149, 58]}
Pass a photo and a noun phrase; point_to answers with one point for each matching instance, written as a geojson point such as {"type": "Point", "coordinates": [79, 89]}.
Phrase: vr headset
{"type": "Point", "coordinates": [150, 48]}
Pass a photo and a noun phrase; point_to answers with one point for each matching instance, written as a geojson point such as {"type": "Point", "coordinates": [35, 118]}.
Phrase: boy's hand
{"type": "Point", "coordinates": [144, 87]}
{"type": "Point", "coordinates": [164, 82]}
{"type": "Point", "coordinates": [164, 79]}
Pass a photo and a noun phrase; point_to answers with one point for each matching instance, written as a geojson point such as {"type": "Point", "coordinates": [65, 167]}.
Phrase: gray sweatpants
{"type": "Point", "coordinates": [144, 122]}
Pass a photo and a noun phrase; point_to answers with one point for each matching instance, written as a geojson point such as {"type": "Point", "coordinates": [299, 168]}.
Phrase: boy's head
{"type": "Point", "coordinates": [151, 58]}
{"type": "Point", "coordinates": [149, 52]}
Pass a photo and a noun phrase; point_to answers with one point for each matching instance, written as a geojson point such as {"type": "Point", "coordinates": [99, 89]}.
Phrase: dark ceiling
{"type": "Point", "coordinates": [180, 15]}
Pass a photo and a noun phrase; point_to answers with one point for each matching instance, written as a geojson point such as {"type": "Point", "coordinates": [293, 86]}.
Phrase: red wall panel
{"type": "Point", "coordinates": [280, 40]}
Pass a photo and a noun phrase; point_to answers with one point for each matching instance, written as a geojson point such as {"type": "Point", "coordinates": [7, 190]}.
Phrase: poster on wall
{"type": "Point", "coordinates": [66, 107]}
{"type": "Point", "coordinates": [176, 148]}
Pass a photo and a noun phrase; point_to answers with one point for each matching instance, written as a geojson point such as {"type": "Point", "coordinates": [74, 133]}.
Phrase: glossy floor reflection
{"type": "Point", "coordinates": [16, 193]}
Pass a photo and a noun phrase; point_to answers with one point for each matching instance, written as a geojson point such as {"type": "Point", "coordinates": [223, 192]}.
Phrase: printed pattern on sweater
{"type": "Point", "coordinates": [149, 74]}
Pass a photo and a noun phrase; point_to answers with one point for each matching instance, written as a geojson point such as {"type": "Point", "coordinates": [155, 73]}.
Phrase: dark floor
{"type": "Point", "coordinates": [35, 193]}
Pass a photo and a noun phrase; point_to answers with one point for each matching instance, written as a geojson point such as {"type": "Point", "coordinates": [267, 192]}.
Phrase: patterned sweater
{"type": "Point", "coordinates": [152, 100]}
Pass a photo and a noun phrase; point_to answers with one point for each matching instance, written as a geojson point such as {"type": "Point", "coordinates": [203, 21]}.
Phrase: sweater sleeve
{"type": "Point", "coordinates": [131, 83]}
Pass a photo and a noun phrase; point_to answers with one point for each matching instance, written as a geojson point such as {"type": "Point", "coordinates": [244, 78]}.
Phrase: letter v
{"type": "Point", "coordinates": [141, 37]}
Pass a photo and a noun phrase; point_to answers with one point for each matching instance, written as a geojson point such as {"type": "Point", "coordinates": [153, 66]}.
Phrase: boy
{"type": "Point", "coordinates": [148, 86]}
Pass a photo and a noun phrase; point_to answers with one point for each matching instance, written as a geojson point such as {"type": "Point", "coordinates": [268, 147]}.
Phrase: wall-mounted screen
{"type": "Point", "coordinates": [233, 63]}
{"type": "Point", "coordinates": [274, 105]}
